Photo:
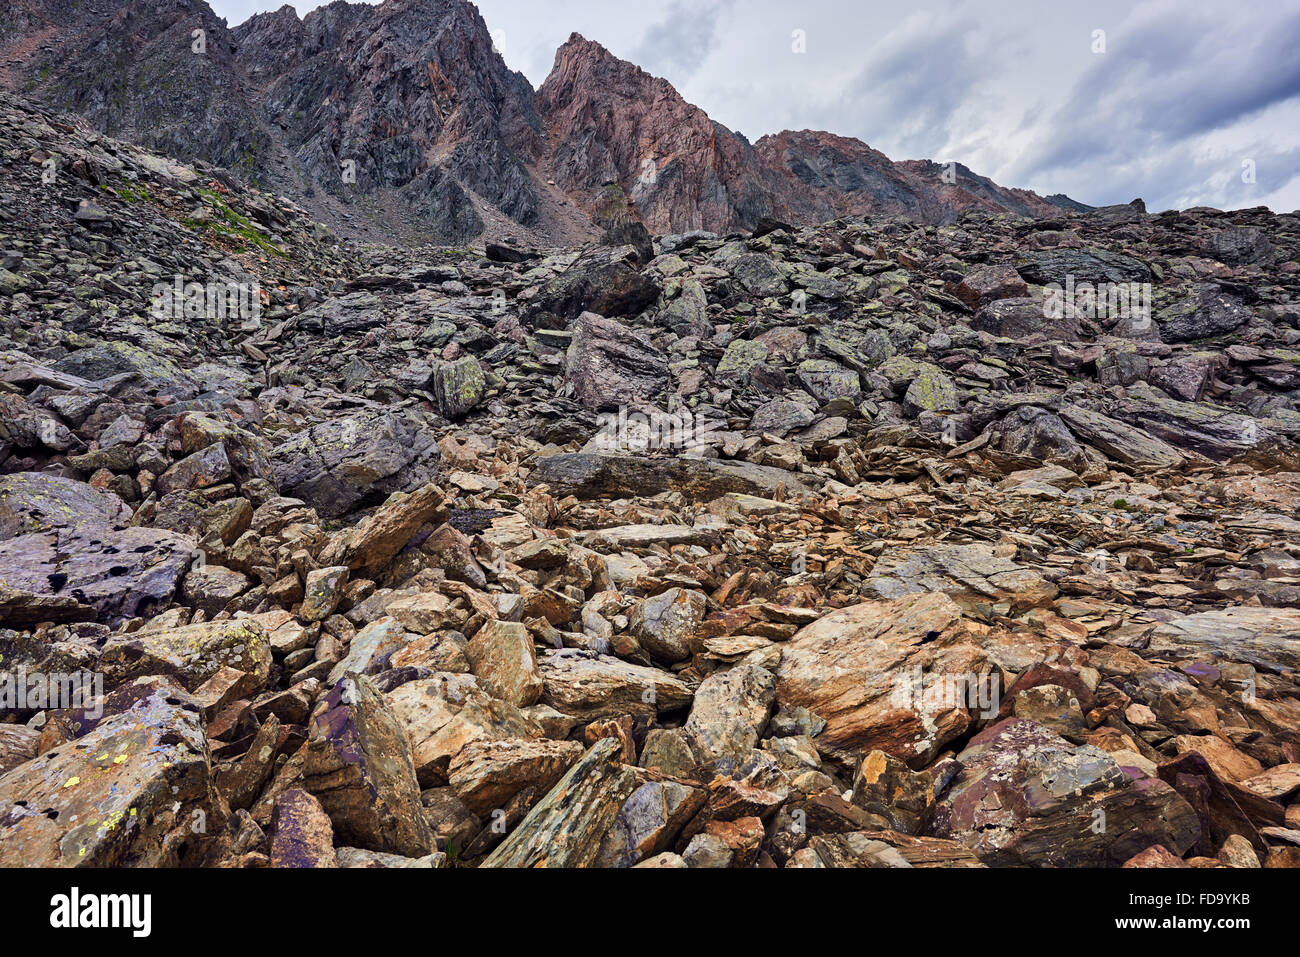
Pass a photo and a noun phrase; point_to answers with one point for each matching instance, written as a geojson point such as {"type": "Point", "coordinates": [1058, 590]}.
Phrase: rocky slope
{"type": "Point", "coordinates": [841, 546]}
{"type": "Point", "coordinates": [400, 121]}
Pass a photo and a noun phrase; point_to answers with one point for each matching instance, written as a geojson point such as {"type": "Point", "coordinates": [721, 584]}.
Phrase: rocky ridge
{"type": "Point", "coordinates": [400, 121]}
{"type": "Point", "coordinates": [834, 546]}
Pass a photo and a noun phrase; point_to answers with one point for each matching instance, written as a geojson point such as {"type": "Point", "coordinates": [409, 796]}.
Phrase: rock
{"type": "Point", "coordinates": [708, 851]}
{"type": "Point", "coordinates": [1122, 442]}
{"type": "Point", "coordinates": [443, 714]}
{"type": "Point", "coordinates": [486, 775]}
{"type": "Point", "coordinates": [1210, 314]}
{"type": "Point", "coordinates": [863, 669]}
{"type": "Point", "coordinates": [665, 625]}
{"type": "Point", "coordinates": [17, 745]}
{"type": "Point", "coordinates": [1020, 318]}
{"type": "Point", "coordinates": [1214, 433]}
{"type": "Point", "coordinates": [203, 469]}
{"type": "Point", "coordinates": [619, 475]}
{"type": "Point", "coordinates": [211, 588]}
{"type": "Point", "coordinates": [931, 391]}
{"type": "Point", "coordinates": [322, 592]}
{"type": "Point", "coordinates": [134, 790]}
{"type": "Point", "coordinates": [610, 365]}
{"type": "Point", "coordinates": [605, 280]}
{"type": "Point", "coordinates": [1240, 246]}
{"type": "Point", "coordinates": [504, 660]}
{"type": "Point", "coordinates": [497, 252]}
{"type": "Point", "coordinates": [781, 416]}
{"type": "Point", "coordinates": [358, 765]}
{"type": "Point", "coordinates": [360, 857]}
{"type": "Point", "coordinates": [1237, 852]}
{"type": "Point", "coordinates": [458, 386]}
{"type": "Point", "coordinates": [567, 826]}
{"type": "Point", "coordinates": [191, 653]}
{"type": "Point", "coordinates": [1268, 638]}
{"type": "Point", "coordinates": [854, 849]}
{"type": "Point", "coordinates": [740, 359]}
{"type": "Point", "coordinates": [302, 835]}
{"type": "Point", "coordinates": [729, 713]}
{"type": "Point", "coordinates": [885, 786]}
{"type": "Point", "coordinates": [649, 822]}
{"type": "Point", "coordinates": [370, 649]}
{"type": "Point", "coordinates": [371, 545]}
{"type": "Point", "coordinates": [423, 613]}
{"type": "Point", "coordinates": [1186, 377]}
{"type": "Point", "coordinates": [759, 275]}
{"type": "Point", "coordinates": [338, 465]}
{"type": "Point", "coordinates": [90, 573]}
{"type": "Point", "coordinates": [1027, 798]}
{"type": "Point", "coordinates": [37, 502]}
{"type": "Point", "coordinates": [986, 284]}
{"type": "Point", "coordinates": [593, 686]}
{"type": "Point", "coordinates": [974, 576]}
{"type": "Point", "coordinates": [826, 380]}
{"type": "Point", "coordinates": [1094, 266]}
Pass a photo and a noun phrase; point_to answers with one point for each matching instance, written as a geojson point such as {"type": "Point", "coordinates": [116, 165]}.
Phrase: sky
{"type": "Point", "coordinates": [1180, 102]}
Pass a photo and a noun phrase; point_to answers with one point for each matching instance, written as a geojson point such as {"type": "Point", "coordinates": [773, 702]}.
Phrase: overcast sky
{"type": "Point", "coordinates": [1177, 101]}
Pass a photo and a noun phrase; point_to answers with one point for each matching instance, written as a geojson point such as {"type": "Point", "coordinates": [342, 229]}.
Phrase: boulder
{"type": "Point", "coordinates": [358, 764]}
{"type": "Point", "coordinates": [610, 365]}
{"type": "Point", "coordinates": [344, 462]}
{"type": "Point", "coordinates": [134, 790]}
{"type": "Point", "coordinates": [1027, 798]}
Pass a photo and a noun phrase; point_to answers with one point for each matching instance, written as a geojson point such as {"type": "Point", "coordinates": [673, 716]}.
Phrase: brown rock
{"type": "Point", "coordinates": [358, 764]}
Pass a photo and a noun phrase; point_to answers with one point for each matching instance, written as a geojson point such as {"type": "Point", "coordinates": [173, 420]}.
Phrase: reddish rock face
{"type": "Point", "coordinates": [606, 119]}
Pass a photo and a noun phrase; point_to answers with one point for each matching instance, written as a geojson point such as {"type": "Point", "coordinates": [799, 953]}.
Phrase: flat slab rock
{"type": "Point", "coordinates": [90, 573]}
{"type": "Point", "coordinates": [588, 475]}
{"type": "Point", "coordinates": [36, 502]}
{"type": "Point", "coordinates": [972, 575]}
{"type": "Point", "coordinates": [856, 668]}
{"type": "Point", "coordinates": [1268, 638]}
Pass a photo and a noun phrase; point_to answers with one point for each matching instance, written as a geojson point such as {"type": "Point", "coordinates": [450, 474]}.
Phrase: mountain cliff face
{"type": "Point", "coordinates": [402, 121]}
{"type": "Point", "coordinates": [409, 98]}
{"type": "Point", "coordinates": [606, 119]}
{"type": "Point", "coordinates": [137, 69]}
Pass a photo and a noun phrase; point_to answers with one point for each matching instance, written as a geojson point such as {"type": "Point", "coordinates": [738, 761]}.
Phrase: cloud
{"type": "Point", "coordinates": [679, 44]}
{"type": "Point", "coordinates": [917, 78]}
